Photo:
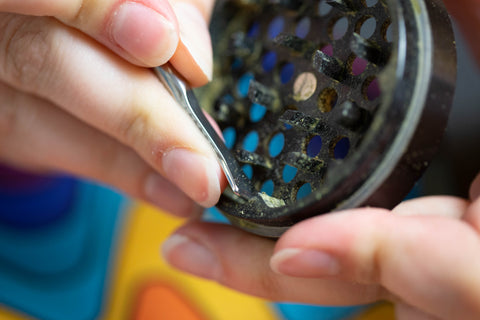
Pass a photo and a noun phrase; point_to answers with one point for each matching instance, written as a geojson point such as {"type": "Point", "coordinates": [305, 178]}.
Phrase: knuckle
{"type": "Point", "coordinates": [25, 48]}
{"type": "Point", "coordinates": [78, 11]}
{"type": "Point", "coordinates": [72, 10]}
{"type": "Point", "coordinates": [14, 115]}
{"type": "Point", "coordinates": [269, 284]}
{"type": "Point", "coordinates": [134, 126]}
{"type": "Point", "coordinates": [111, 159]}
{"type": "Point", "coordinates": [8, 115]}
{"type": "Point", "coordinates": [262, 284]}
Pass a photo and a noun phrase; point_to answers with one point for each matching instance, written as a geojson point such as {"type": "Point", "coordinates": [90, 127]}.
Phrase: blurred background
{"type": "Point", "coordinates": [458, 161]}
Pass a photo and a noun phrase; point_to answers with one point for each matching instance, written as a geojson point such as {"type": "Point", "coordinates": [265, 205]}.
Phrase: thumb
{"type": "Point", "coordinates": [428, 262]}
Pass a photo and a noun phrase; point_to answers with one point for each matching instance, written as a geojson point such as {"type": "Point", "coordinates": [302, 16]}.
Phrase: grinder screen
{"type": "Point", "coordinates": [328, 104]}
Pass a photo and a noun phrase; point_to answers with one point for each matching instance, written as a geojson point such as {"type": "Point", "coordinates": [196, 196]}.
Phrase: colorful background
{"type": "Point", "coordinates": [74, 250]}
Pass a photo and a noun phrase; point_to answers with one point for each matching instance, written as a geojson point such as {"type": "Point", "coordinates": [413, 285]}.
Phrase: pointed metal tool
{"type": "Point", "coordinates": [237, 179]}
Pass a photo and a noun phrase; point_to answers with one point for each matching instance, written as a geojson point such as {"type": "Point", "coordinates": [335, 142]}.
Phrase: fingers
{"type": "Point", "coordinates": [147, 32]}
{"type": "Point", "coordinates": [430, 262]}
{"type": "Point", "coordinates": [466, 14]}
{"type": "Point", "coordinates": [35, 134]}
{"type": "Point", "coordinates": [126, 102]}
{"type": "Point", "coordinates": [41, 7]}
{"type": "Point", "coordinates": [143, 32]}
{"type": "Point", "coordinates": [241, 261]}
{"type": "Point", "coordinates": [193, 57]}
{"type": "Point", "coordinates": [406, 312]}
{"type": "Point", "coordinates": [444, 206]}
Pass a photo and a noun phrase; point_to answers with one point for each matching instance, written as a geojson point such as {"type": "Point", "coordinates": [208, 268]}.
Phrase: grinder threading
{"type": "Point", "coordinates": [329, 104]}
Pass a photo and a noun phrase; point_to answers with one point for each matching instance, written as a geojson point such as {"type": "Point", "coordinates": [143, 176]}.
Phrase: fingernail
{"type": "Point", "coordinates": [190, 256]}
{"type": "Point", "coordinates": [195, 47]}
{"type": "Point", "coordinates": [161, 193]}
{"type": "Point", "coordinates": [194, 174]}
{"type": "Point", "coordinates": [144, 33]}
{"type": "Point", "coordinates": [304, 263]}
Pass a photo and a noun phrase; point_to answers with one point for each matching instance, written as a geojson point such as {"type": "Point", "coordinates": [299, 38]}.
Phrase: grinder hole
{"type": "Point", "coordinates": [339, 28]}
{"type": "Point", "coordinates": [304, 191]}
{"type": "Point", "coordinates": [328, 50]}
{"type": "Point", "coordinates": [368, 27]}
{"type": "Point", "coordinates": [257, 112]}
{"type": "Point", "coordinates": [369, 3]}
{"type": "Point", "coordinates": [314, 146]}
{"type": "Point", "coordinates": [268, 187]}
{"type": "Point", "coordinates": [230, 136]}
{"type": "Point", "coordinates": [269, 61]}
{"type": "Point", "coordinates": [371, 89]}
{"type": "Point", "coordinates": [327, 99]}
{"type": "Point", "coordinates": [340, 148]}
{"type": "Point", "coordinates": [303, 27]}
{"type": "Point", "coordinates": [324, 8]}
{"type": "Point", "coordinates": [276, 144]}
{"type": "Point", "coordinates": [286, 72]}
{"type": "Point", "coordinates": [254, 30]}
{"type": "Point", "coordinates": [248, 170]}
{"type": "Point", "coordinates": [276, 27]}
{"type": "Point", "coordinates": [387, 32]}
{"type": "Point", "coordinates": [289, 173]}
{"type": "Point", "coordinates": [250, 143]}
{"type": "Point", "coordinates": [358, 66]}
{"type": "Point", "coordinates": [243, 84]}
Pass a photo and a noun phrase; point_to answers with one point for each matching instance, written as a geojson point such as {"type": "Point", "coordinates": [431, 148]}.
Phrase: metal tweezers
{"type": "Point", "coordinates": [238, 181]}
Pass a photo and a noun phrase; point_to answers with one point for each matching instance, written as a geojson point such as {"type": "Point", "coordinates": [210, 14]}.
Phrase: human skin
{"type": "Point", "coordinates": [424, 255]}
{"type": "Point", "coordinates": [77, 95]}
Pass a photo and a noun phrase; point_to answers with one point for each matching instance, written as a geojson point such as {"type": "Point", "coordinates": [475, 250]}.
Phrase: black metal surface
{"type": "Point", "coordinates": [379, 127]}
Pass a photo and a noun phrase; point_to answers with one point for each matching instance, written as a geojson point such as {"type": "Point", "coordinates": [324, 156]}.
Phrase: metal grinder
{"type": "Point", "coordinates": [328, 105]}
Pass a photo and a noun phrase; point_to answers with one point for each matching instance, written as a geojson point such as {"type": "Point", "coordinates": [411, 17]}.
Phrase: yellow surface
{"type": "Point", "coordinates": [6, 314]}
{"type": "Point", "coordinates": [139, 267]}
{"type": "Point", "coordinates": [383, 311]}
{"type": "Point", "coordinates": [139, 263]}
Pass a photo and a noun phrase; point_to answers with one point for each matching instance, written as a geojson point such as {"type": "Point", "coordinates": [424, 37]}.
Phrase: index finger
{"type": "Point", "coordinates": [144, 32]}
{"type": "Point", "coordinates": [240, 261]}
{"type": "Point", "coordinates": [429, 262]}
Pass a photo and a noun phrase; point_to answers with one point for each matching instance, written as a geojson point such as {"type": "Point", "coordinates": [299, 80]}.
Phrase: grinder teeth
{"type": "Point", "coordinates": [305, 71]}
{"type": "Point", "coordinates": [306, 123]}
{"type": "Point", "coordinates": [369, 50]}
{"type": "Point", "coordinates": [297, 45]}
{"type": "Point", "coordinates": [240, 45]}
{"type": "Point", "coordinates": [260, 94]}
{"type": "Point", "coordinates": [303, 162]}
{"type": "Point", "coordinates": [248, 157]}
{"type": "Point", "coordinates": [352, 116]}
{"type": "Point", "coordinates": [329, 66]}
{"type": "Point", "coordinates": [343, 5]}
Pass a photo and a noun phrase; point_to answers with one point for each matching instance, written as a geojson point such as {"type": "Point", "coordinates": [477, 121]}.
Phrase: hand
{"type": "Point", "coordinates": [76, 95]}
{"type": "Point", "coordinates": [423, 256]}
